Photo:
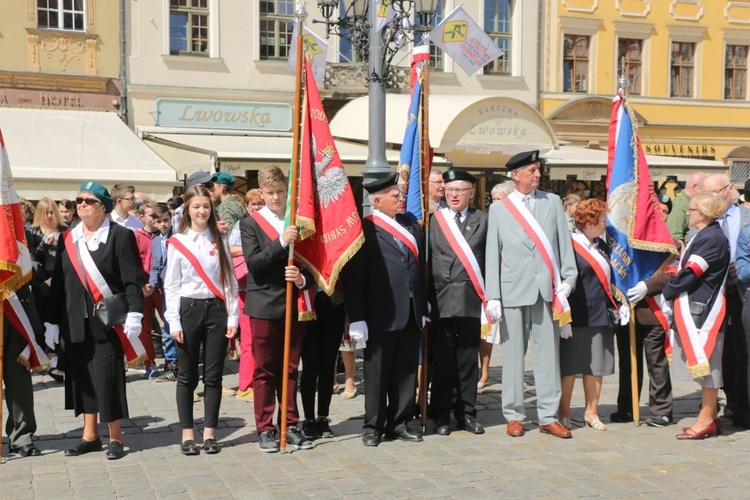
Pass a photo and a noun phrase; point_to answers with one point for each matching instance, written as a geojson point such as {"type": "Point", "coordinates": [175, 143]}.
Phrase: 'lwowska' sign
{"type": "Point", "coordinates": [231, 115]}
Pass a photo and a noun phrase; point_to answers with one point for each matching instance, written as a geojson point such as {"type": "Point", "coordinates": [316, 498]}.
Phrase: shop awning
{"type": "Point", "coordinates": [472, 131]}
{"type": "Point", "coordinates": [51, 152]}
{"type": "Point", "coordinates": [591, 165]}
{"type": "Point", "coordinates": [237, 153]}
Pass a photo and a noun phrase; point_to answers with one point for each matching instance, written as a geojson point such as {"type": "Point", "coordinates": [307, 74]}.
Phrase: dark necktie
{"type": "Point", "coordinates": [457, 218]}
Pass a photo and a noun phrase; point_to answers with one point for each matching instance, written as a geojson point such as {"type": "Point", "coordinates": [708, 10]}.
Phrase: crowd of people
{"type": "Point", "coordinates": [119, 278]}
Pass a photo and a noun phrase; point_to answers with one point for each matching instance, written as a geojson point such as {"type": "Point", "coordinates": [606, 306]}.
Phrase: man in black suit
{"type": "Point", "coordinates": [387, 304]}
{"type": "Point", "coordinates": [265, 243]}
{"type": "Point", "coordinates": [459, 305]}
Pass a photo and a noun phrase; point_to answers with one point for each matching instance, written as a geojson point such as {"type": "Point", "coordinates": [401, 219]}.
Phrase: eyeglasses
{"type": "Point", "coordinates": [719, 191]}
{"type": "Point", "coordinates": [88, 201]}
{"type": "Point", "coordinates": [208, 185]}
{"type": "Point", "coordinates": [131, 199]}
{"type": "Point", "coordinates": [456, 190]}
{"type": "Point", "coordinates": [437, 182]}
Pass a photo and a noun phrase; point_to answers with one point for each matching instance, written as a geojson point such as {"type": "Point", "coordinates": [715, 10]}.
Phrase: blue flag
{"type": "Point", "coordinates": [640, 241]}
{"type": "Point", "coordinates": [410, 160]}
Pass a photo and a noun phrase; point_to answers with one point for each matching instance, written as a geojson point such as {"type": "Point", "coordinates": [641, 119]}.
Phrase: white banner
{"type": "Point", "coordinates": [383, 13]}
{"type": "Point", "coordinates": [462, 39]}
{"type": "Point", "coordinates": [316, 50]}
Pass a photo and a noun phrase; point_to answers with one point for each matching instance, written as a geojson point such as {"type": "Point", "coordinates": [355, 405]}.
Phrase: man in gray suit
{"type": "Point", "coordinates": [521, 290]}
{"type": "Point", "coordinates": [459, 306]}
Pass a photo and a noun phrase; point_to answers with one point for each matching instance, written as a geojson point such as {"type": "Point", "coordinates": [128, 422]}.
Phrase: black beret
{"type": "Point", "coordinates": [666, 200]}
{"type": "Point", "coordinates": [456, 174]}
{"type": "Point", "coordinates": [375, 185]}
{"type": "Point", "coordinates": [523, 159]}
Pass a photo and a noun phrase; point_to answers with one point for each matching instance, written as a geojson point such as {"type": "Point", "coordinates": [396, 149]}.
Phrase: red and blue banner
{"type": "Point", "coordinates": [640, 241]}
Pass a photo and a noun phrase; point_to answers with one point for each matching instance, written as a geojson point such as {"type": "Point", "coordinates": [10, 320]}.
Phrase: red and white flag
{"type": "Point", "coordinates": [15, 261]}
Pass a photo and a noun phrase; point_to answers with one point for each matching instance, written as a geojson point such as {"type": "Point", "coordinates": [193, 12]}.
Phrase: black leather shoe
{"type": "Point", "coordinates": [189, 448]}
{"type": "Point", "coordinates": [84, 447]}
{"type": "Point", "coordinates": [470, 424]}
{"type": "Point", "coordinates": [371, 438]}
{"type": "Point", "coordinates": [28, 450]}
{"type": "Point", "coordinates": [621, 417]}
{"type": "Point", "coordinates": [115, 450]}
{"type": "Point", "coordinates": [407, 435]}
{"type": "Point", "coordinates": [442, 428]}
{"type": "Point", "coordinates": [211, 447]}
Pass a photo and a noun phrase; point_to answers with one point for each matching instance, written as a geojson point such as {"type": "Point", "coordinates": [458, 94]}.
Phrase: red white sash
{"type": "Point", "coordinates": [90, 274]}
{"type": "Point", "coordinates": [32, 356]}
{"type": "Point", "coordinates": [653, 303]}
{"type": "Point", "coordinates": [185, 246]}
{"type": "Point", "coordinates": [560, 306]}
{"type": "Point", "coordinates": [395, 229]}
{"type": "Point", "coordinates": [305, 302]}
{"type": "Point", "coordinates": [596, 261]}
{"type": "Point", "coordinates": [461, 247]}
{"type": "Point", "coordinates": [698, 344]}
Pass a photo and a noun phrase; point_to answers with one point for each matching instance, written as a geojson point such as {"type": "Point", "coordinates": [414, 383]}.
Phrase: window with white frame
{"type": "Point", "coordinates": [188, 27]}
{"type": "Point", "coordinates": [576, 63]}
{"type": "Point", "coordinates": [682, 69]}
{"type": "Point", "coordinates": [276, 28]}
{"type": "Point", "coordinates": [437, 59]}
{"type": "Point", "coordinates": [61, 14]}
{"type": "Point", "coordinates": [735, 72]}
{"type": "Point", "coordinates": [630, 53]}
{"type": "Point", "coordinates": [498, 25]}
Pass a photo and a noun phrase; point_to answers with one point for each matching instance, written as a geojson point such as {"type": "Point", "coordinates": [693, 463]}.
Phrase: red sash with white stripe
{"type": "Point", "coordinates": [661, 317]}
{"type": "Point", "coordinates": [461, 247]}
{"type": "Point", "coordinates": [592, 260]}
{"type": "Point", "coordinates": [305, 302]}
{"type": "Point", "coordinates": [698, 343]}
{"type": "Point", "coordinates": [32, 356]}
{"type": "Point", "coordinates": [195, 262]}
{"type": "Point", "coordinates": [395, 229]}
{"type": "Point", "coordinates": [90, 274]}
{"type": "Point", "coordinates": [560, 306]}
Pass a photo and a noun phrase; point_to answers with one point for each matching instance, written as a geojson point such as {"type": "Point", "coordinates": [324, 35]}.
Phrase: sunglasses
{"type": "Point", "coordinates": [87, 201]}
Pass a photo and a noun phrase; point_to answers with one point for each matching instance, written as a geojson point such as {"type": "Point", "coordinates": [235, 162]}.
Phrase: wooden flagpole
{"type": "Point", "coordinates": [426, 167]}
{"type": "Point", "coordinates": [2, 356]}
{"type": "Point", "coordinates": [300, 16]}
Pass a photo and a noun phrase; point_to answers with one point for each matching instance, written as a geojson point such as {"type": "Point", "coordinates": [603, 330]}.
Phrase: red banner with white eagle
{"type": "Point", "coordinates": [327, 216]}
{"type": "Point", "coordinates": [15, 260]}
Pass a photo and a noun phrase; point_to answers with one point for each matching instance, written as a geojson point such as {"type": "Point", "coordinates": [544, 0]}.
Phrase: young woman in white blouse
{"type": "Point", "coordinates": [201, 294]}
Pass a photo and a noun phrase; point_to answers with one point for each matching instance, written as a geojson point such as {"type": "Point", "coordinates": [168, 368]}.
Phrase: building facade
{"type": "Point", "coordinates": [686, 61]}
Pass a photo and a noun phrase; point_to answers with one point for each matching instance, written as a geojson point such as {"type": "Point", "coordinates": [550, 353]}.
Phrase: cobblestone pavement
{"type": "Point", "coordinates": [624, 461]}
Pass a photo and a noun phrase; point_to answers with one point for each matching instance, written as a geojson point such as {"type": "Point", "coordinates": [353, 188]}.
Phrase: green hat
{"type": "Point", "coordinates": [223, 178]}
{"type": "Point", "coordinates": [100, 192]}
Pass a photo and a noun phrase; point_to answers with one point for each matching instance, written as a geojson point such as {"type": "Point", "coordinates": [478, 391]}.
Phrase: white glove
{"type": "Point", "coordinates": [358, 332]}
{"type": "Point", "coordinates": [425, 320]}
{"type": "Point", "coordinates": [495, 310]}
{"type": "Point", "coordinates": [133, 325]}
{"type": "Point", "coordinates": [566, 331]}
{"type": "Point", "coordinates": [637, 293]}
{"type": "Point", "coordinates": [51, 335]}
{"type": "Point", "coordinates": [565, 289]}
{"type": "Point", "coordinates": [624, 314]}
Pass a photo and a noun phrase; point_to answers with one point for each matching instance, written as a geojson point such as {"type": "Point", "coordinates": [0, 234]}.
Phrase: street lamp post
{"type": "Point", "coordinates": [376, 47]}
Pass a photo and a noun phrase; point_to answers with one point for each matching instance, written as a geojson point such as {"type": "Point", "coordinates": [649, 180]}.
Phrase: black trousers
{"type": "Point", "coordinates": [204, 321]}
{"type": "Point", "coordinates": [454, 366]}
{"type": "Point", "coordinates": [390, 371]}
{"type": "Point", "coordinates": [649, 342]}
{"type": "Point", "coordinates": [319, 350]}
{"type": "Point", "coordinates": [734, 356]}
{"type": "Point", "coordinates": [19, 391]}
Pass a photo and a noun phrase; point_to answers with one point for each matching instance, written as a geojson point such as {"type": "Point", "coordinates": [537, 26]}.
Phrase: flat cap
{"type": "Point", "coordinates": [457, 174]}
{"type": "Point", "coordinates": [101, 194]}
{"type": "Point", "coordinates": [375, 185]}
{"type": "Point", "coordinates": [523, 159]}
{"type": "Point", "coordinates": [223, 178]}
{"type": "Point", "coordinates": [199, 177]}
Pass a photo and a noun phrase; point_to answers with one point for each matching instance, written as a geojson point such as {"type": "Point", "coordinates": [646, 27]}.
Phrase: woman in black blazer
{"type": "Point", "coordinates": [590, 349]}
{"type": "Point", "coordinates": [95, 371]}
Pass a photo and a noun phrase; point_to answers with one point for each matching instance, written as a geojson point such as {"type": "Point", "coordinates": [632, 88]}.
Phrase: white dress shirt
{"type": "Point", "coordinates": [182, 280]}
{"type": "Point", "coordinates": [99, 237]}
{"type": "Point", "coordinates": [462, 212]}
{"type": "Point", "coordinates": [519, 196]}
{"type": "Point", "coordinates": [732, 220]}
{"type": "Point", "coordinates": [130, 222]}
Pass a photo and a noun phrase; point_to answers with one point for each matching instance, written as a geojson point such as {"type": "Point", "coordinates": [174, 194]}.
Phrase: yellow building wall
{"type": "Point", "coordinates": [706, 118]}
{"type": "Point", "coordinates": [23, 47]}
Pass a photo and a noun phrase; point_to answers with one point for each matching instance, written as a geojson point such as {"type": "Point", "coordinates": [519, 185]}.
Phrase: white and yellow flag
{"type": "Point", "coordinates": [384, 13]}
{"type": "Point", "coordinates": [462, 39]}
{"type": "Point", "coordinates": [315, 49]}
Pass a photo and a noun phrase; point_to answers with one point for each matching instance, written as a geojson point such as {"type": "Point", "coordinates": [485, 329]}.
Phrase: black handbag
{"type": "Point", "coordinates": [112, 311]}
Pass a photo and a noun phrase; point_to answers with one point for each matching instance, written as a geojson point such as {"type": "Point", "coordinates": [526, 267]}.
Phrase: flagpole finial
{"type": "Point", "coordinates": [624, 81]}
{"type": "Point", "coordinates": [301, 13]}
